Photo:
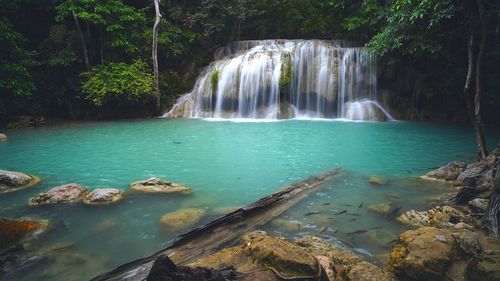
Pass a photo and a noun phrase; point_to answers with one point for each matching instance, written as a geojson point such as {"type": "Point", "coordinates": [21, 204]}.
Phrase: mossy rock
{"type": "Point", "coordinates": [484, 267]}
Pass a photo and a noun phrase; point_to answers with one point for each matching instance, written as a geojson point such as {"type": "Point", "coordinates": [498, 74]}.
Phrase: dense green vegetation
{"type": "Point", "coordinates": [92, 58]}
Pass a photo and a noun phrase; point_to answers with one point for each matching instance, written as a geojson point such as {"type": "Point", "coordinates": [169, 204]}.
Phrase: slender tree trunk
{"type": "Point", "coordinates": [481, 141]}
{"type": "Point", "coordinates": [101, 43]}
{"type": "Point", "coordinates": [468, 80]}
{"type": "Point", "coordinates": [155, 52]}
{"type": "Point", "coordinates": [82, 39]}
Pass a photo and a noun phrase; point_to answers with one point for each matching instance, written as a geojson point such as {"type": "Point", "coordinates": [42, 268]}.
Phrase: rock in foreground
{"type": "Point", "coordinates": [181, 219]}
{"type": "Point", "coordinates": [308, 258]}
{"type": "Point", "coordinates": [67, 193]}
{"type": "Point", "coordinates": [422, 254]}
{"type": "Point", "coordinates": [159, 185]}
{"type": "Point", "coordinates": [3, 137]}
{"type": "Point", "coordinates": [13, 181]}
{"type": "Point", "coordinates": [103, 196]}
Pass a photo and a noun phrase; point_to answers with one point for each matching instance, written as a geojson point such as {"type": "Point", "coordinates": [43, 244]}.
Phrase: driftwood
{"type": "Point", "coordinates": [224, 231]}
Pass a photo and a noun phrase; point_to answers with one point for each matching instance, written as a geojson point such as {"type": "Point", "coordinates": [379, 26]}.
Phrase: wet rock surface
{"type": "Point", "coordinates": [3, 137]}
{"type": "Point", "coordinates": [156, 185]}
{"type": "Point", "coordinates": [101, 196]}
{"type": "Point", "coordinates": [67, 193]}
{"type": "Point", "coordinates": [13, 181]}
{"type": "Point", "coordinates": [15, 231]}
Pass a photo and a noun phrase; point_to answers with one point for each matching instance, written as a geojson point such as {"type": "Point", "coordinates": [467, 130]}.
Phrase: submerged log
{"type": "Point", "coordinates": [224, 231]}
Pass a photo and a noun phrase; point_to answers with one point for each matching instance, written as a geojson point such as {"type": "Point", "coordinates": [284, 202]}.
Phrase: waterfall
{"type": "Point", "coordinates": [280, 79]}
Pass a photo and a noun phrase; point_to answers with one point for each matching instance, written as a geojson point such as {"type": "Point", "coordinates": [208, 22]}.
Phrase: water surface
{"type": "Point", "coordinates": [227, 164]}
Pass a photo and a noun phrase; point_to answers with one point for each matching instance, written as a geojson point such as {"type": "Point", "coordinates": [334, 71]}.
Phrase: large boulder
{"type": "Point", "coordinates": [438, 216]}
{"type": "Point", "coordinates": [484, 267]}
{"type": "Point", "coordinates": [448, 172]}
{"type": "Point", "coordinates": [159, 186]}
{"type": "Point", "coordinates": [260, 250]}
{"type": "Point", "coordinates": [103, 196]}
{"type": "Point", "coordinates": [13, 181]}
{"type": "Point", "coordinates": [181, 219]}
{"type": "Point", "coordinates": [15, 231]}
{"type": "Point", "coordinates": [422, 254]}
{"type": "Point", "coordinates": [3, 137]}
{"type": "Point", "coordinates": [472, 175]}
{"type": "Point", "coordinates": [365, 271]}
{"type": "Point", "coordinates": [67, 193]}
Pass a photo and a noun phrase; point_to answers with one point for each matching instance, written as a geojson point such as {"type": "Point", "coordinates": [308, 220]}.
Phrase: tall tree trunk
{"type": "Point", "coordinates": [478, 122]}
{"type": "Point", "coordinates": [468, 80]}
{"type": "Point", "coordinates": [101, 43]}
{"type": "Point", "coordinates": [155, 52]}
{"type": "Point", "coordinates": [82, 39]}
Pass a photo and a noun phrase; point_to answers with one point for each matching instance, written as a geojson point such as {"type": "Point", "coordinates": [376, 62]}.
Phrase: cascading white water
{"type": "Point", "coordinates": [273, 79]}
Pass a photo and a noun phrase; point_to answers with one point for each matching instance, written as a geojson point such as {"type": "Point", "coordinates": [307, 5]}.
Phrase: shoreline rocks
{"type": "Point", "coordinates": [13, 181]}
{"type": "Point", "coordinates": [156, 185]}
{"type": "Point", "coordinates": [101, 196]}
{"type": "Point", "coordinates": [447, 173]}
{"type": "Point", "coordinates": [308, 256]}
{"type": "Point", "coordinates": [66, 193]}
{"type": "Point", "coordinates": [438, 216]}
{"type": "Point", "coordinates": [3, 137]}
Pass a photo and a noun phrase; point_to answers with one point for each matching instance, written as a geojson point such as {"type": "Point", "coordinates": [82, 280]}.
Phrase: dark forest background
{"type": "Point", "coordinates": [91, 59]}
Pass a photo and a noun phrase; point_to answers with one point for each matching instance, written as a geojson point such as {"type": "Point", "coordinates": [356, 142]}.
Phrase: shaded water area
{"type": "Point", "coordinates": [227, 164]}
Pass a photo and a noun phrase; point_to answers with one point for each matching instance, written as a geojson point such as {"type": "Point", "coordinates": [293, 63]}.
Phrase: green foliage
{"type": "Point", "coordinates": [286, 72]}
{"type": "Point", "coordinates": [413, 27]}
{"type": "Point", "coordinates": [122, 24]}
{"type": "Point", "coordinates": [59, 48]}
{"type": "Point", "coordinates": [214, 79]}
{"type": "Point", "coordinates": [117, 79]}
{"type": "Point", "coordinates": [16, 62]}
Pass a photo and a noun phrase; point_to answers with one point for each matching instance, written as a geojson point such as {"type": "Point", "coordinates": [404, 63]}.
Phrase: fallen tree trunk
{"type": "Point", "coordinates": [224, 231]}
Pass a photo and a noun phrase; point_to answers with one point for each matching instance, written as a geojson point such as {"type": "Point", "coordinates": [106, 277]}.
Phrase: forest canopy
{"type": "Point", "coordinates": [92, 58]}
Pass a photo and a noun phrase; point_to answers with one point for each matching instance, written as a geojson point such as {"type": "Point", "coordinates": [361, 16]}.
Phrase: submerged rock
{"type": "Point", "coordinates": [159, 185]}
{"type": "Point", "coordinates": [448, 172]}
{"type": "Point", "coordinates": [385, 209]}
{"type": "Point", "coordinates": [438, 216]}
{"type": "Point", "coordinates": [378, 180]}
{"type": "Point", "coordinates": [13, 181]}
{"type": "Point", "coordinates": [14, 231]}
{"type": "Point", "coordinates": [418, 255]}
{"type": "Point", "coordinates": [103, 196]}
{"type": "Point", "coordinates": [3, 137]}
{"type": "Point", "coordinates": [181, 219]}
{"type": "Point", "coordinates": [67, 193]}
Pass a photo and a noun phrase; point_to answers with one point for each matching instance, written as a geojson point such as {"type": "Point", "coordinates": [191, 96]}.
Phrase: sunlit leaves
{"type": "Point", "coordinates": [117, 79]}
